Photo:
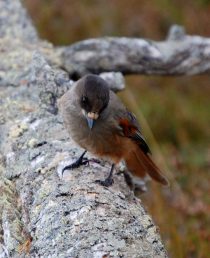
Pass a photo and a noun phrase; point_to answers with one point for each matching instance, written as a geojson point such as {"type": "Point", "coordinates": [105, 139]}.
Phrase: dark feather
{"type": "Point", "coordinates": [139, 139]}
{"type": "Point", "coordinates": [131, 129]}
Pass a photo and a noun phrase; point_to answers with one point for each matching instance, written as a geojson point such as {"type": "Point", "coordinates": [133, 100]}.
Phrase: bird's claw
{"type": "Point", "coordinates": [95, 161]}
{"type": "Point", "coordinates": [107, 182]}
{"type": "Point", "coordinates": [76, 164]}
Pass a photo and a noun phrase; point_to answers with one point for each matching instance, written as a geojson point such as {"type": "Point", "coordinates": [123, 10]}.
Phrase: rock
{"type": "Point", "coordinates": [17, 130]}
{"type": "Point", "coordinates": [52, 83]}
{"type": "Point", "coordinates": [115, 81]}
{"type": "Point", "coordinates": [15, 22]}
{"type": "Point", "coordinates": [12, 231]}
{"type": "Point", "coordinates": [32, 143]}
{"type": "Point", "coordinates": [42, 214]}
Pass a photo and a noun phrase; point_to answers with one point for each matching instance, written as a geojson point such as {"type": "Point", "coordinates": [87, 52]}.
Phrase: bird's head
{"type": "Point", "coordinates": [93, 96]}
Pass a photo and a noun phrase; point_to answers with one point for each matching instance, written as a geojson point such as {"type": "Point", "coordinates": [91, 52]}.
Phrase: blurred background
{"type": "Point", "coordinates": [174, 111]}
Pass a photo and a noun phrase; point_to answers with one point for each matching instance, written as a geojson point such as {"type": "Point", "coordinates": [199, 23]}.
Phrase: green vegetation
{"type": "Point", "coordinates": [174, 112]}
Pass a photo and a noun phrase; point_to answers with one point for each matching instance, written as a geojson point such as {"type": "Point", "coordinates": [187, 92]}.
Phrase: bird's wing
{"type": "Point", "coordinates": [131, 129]}
{"type": "Point", "coordinates": [140, 160]}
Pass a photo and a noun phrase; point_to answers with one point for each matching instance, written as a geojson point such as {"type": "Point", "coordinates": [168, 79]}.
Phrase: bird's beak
{"type": "Point", "coordinates": [90, 122]}
{"type": "Point", "coordinates": [91, 117]}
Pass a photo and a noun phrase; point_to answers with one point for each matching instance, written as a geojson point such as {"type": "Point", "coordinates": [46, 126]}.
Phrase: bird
{"type": "Point", "coordinates": [98, 121]}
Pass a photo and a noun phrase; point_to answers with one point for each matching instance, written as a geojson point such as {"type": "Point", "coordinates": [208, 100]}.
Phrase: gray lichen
{"type": "Point", "coordinates": [179, 54]}
{"type": "Point", "coordinates": [41, 213]}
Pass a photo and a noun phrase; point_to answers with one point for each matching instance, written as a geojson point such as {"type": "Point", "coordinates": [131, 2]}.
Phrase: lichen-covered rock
{"type": "Point", "coordinates": [12, 231]}
{"type": "Point", "coordinates": [15, 22]}
{"type": "Point", "coordinates": [18, 40]}
{"type": "Point", "coordinates": [69, 216]}
{"type": "Point", "coordinates": [180, 54]}
{"type": "Point", "coordinates": [44, 214]}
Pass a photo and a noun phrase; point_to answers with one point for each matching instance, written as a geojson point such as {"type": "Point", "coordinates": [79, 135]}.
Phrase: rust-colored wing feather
{"type": "Point", "coordinates": [131, 129]}
{"type": "Point", "coordinates": [139, 162]}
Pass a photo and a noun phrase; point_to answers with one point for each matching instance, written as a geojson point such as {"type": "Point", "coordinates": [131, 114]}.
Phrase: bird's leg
{"type": "Point", "coordinates": [109, 180]}
{"type": "Point", "coordinates": [129, 179]}
{"type": "Point", "coordinates": [79, 162]}
{"type": "Point", "coordinates": [137, 186]}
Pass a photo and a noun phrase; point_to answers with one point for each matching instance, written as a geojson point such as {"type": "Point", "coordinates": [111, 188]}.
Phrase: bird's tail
{"type": "Point", "coordinates": [140, 164]}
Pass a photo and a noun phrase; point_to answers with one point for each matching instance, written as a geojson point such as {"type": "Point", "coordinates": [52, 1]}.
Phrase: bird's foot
{"type": "Point", "coordinates": [107, 182]}
{"type": "Point", "coordinates": [76, 164]}
{"type": "Point", "coordinates": [95, 161]}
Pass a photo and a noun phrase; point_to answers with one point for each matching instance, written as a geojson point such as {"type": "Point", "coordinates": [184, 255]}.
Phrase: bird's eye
{"type": "Point", "coordinates": [84, 100]}
{"type": "Point", "coordinates": [85, 104]}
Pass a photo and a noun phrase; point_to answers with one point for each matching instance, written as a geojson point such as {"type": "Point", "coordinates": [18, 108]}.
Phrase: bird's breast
{"type": "Point", "coordinates": [101, 140]}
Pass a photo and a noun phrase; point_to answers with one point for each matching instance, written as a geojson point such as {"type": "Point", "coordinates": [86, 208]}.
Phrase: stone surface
{"type": "Point", "coordinates": [43, 214]}
{"type": "Point", "coordinates": [59, 212]}
{"type": "Point", "coordinates": [180, 54]}
{"type": "Point", "coordinates": [15, 23]}
{"type": "Point", "coordinates": [115, 81]}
